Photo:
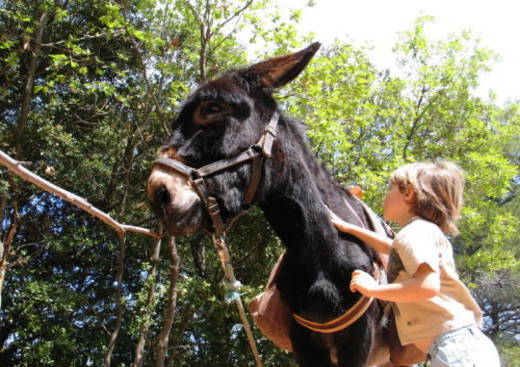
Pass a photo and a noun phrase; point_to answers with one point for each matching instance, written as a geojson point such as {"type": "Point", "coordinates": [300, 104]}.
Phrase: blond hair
{"type": "Point", "coordinates": [439, 189]}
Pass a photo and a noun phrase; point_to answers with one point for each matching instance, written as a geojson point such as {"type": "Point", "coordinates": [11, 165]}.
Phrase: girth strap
{"type": "Point", "coordinates": [342, 322]}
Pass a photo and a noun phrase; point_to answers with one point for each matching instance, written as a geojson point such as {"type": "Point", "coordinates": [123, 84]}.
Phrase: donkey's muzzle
{"type": "Point", "coordinates": [175, 203]}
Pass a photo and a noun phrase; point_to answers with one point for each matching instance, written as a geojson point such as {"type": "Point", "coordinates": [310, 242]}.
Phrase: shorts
{"type": "Point", "coordinates": [464, 347]}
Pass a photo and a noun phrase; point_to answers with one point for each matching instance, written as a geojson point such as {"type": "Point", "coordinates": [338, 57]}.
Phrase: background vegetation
{"type": "Point", "coordinates": [87, 92]}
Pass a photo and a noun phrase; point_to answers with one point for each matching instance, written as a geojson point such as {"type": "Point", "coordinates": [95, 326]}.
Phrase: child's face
{"type": "Point", "coordinates": [396, 206]}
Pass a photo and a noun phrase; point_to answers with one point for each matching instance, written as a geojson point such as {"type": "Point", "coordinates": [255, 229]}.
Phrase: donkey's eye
{"type": "Point", "coordinates": [209, 112]}
{"type": "Point", "coordinates": [212, 108]}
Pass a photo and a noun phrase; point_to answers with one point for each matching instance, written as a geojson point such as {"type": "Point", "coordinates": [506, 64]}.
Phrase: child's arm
{"type": "Point", "coordinates": [378, 242]}
{"type": "Point", "coordinates": [423, 285]}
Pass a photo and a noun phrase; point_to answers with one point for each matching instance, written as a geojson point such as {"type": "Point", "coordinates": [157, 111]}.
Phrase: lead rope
{"type": "Point", "coordinates": [223, 254]}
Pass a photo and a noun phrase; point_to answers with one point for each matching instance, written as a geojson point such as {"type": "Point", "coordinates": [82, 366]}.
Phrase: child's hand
{"type": "Point", "coordinates": [339, 223]}
{"type": "Point", "coordinates": [363, 283]}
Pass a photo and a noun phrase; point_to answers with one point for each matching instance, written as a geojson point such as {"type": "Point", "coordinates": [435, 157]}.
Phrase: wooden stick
{"type": "Point", "coordinates": [27, 175]}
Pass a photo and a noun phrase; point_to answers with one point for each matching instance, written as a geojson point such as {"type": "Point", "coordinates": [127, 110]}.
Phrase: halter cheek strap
{"type": "Point", "coordinates": [255, 153]}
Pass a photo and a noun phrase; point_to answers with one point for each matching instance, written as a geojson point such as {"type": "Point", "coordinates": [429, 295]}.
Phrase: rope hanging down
{"type": "Point", "coordinates": [223, 254]}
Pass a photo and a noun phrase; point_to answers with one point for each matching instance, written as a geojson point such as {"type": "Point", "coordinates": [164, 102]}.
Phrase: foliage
{"type": "Point", "coordinates": [89, 103]}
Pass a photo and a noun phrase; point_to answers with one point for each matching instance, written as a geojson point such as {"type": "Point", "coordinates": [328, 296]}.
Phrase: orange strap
{"type": "Point", "coordinates": [344, 321]}
{"type": "Point", "coordinates": [339, 323]}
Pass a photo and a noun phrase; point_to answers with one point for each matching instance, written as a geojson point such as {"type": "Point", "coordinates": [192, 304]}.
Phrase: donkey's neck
{"type": "Point", "coordinates": [295, 202]}
{"type": "Point", "coordinates": [299, 188]}
{"type": "Point", "coordinates": [319, 259]}
{"type": "Point", "coordinates": [299, 217]}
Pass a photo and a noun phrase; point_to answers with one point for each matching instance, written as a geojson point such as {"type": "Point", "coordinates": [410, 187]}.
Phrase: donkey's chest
{"type": "Point", "coordinates": [314, 297]}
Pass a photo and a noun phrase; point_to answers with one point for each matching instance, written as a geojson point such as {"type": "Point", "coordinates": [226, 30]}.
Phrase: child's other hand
{"type": "Point", "coordinates": [363, 283]}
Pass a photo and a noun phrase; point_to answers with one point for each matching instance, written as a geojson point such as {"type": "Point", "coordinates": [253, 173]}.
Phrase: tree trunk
{"type": "Point", "coordinates": [162, 343]}
{"type": "Point", "coordinates": [139, 348]}
{"type": "Point", "coordinates": [17, 135]}
{"type": "Point", "coordinates": [29, 85]}
{"type": "Point", "coordinates": [119, 304]}
{"type": "Point", "coordinates": [202, 55]}
{"type": "Point", "coordinates": [120, 273]}
{"type": "Point", "coordinates": [6, 249]}
{"type": "Point", "coordinates": [3, 205]}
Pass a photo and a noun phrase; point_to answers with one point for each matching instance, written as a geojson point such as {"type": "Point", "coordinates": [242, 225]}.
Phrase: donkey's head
{"type": "Point", "coordinates": [219, 121]}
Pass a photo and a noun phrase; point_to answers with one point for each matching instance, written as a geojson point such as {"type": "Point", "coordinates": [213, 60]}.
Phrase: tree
{"type": "Point", "coordinates": [105, 81]}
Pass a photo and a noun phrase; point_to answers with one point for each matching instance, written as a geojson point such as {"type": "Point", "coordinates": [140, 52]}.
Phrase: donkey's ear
{"type": "Point", "coordinates": [278, 71]}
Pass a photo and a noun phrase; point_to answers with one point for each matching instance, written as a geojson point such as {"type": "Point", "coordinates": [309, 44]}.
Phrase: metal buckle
{"type": "Point", "coordinates": [212, 206]}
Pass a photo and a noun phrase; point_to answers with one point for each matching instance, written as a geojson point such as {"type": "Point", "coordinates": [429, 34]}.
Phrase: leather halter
{"type": "Point", "coordinates": [255, 153]}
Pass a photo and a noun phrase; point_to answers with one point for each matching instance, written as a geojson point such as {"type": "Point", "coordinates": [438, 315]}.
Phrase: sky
{"type": "Point", "coordinates": [377, 23]}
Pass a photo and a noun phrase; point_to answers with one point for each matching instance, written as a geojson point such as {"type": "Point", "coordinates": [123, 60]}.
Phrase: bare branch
{"type": "Point", "coordinates": [86, 37]}
{"type": "Point", "coordinates": [27, 175]}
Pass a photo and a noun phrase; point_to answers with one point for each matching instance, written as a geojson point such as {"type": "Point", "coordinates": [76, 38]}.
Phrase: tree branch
{"type": "Point", "coordinates": [29, 84]}
{"type": "Point", "coordinates": [150, 299]}
{"type": "Point", "coordinates": [27, 175]}
{"type": "Point", "coordinates": [6, 249]}
{"type": "Point", "coordinates": [162, 342]}
{"type": "Point", "coordinates": [3, 205]}
{"type": "Point", "coordinates": [149, 88]}
{"type": "Point", "coordinates": [197, 16]}
{"type": "Point", "coordinates": [237, 13]}
{"type": "Point", "coordinates": [416, 120]}
{"type": "Point", "coordinates": [87, 37]}
{"type": "Point", "coordinates": [119, 303]}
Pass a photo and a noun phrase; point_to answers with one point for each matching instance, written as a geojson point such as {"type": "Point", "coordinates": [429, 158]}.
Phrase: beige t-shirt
{"type": "Point", "coordinates": [421, 241]}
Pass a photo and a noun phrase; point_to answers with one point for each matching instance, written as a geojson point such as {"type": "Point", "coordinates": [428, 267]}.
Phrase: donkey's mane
{"type": "Point", "coordinates": [326, 183]}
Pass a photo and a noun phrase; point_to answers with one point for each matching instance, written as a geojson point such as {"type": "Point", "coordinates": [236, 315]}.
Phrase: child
{"type": "Point", "coordinates": [433, 308]}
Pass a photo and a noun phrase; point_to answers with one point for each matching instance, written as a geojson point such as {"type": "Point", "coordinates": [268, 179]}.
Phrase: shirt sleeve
{"type": "Point", "coordinates": [416, 247]}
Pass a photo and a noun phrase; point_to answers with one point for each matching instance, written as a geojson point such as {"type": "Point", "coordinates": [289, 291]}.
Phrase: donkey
{"type": "Point", "coordinates": [245, 151]}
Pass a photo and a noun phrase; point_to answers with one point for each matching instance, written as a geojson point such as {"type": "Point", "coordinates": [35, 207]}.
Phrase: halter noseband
{"type": "Point", "coordinates": [257, 153]}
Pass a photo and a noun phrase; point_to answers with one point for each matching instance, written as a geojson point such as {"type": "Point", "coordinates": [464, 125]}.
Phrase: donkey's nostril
{"type": "Point", "coordinates": [162, 196]}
